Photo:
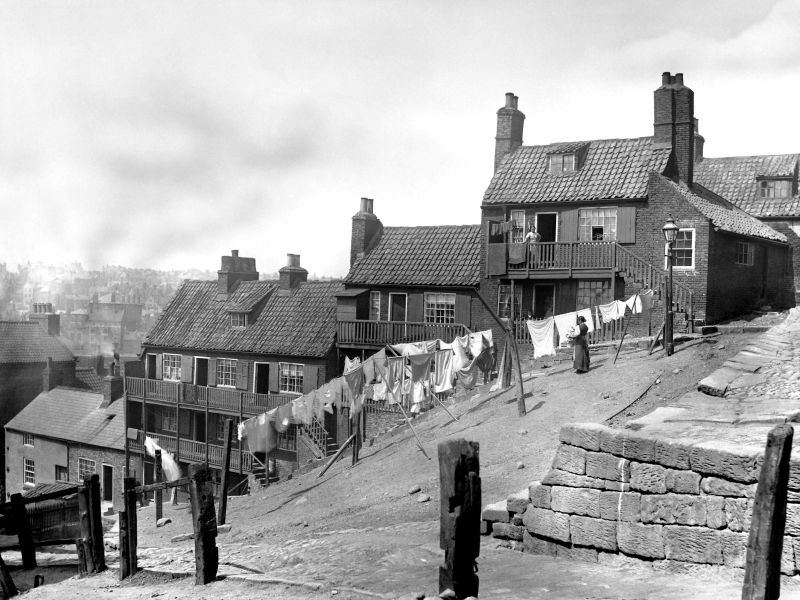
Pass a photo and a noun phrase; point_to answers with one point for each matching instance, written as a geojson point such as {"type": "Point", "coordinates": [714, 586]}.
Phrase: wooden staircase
{"type": "Point", "coordinates": [315, 436]}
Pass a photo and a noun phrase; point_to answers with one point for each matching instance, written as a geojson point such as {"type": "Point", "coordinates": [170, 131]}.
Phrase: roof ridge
{"type": "Point", "coordinates": [563, 143]}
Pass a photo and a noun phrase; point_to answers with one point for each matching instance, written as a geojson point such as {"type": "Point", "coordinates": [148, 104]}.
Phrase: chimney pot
{"type": "Point", "coordinates": [366, 205]}
{"type": "Point", "coordinates": [510, 100]}
{"type": "Point", "coordinates": [666, 78]}
{"type": "Point", "coordinates": [679, 78]}
{"type": "Point", "coordinates": [293, 260]}
{"type": "Point", "coordinates": [235, 253]}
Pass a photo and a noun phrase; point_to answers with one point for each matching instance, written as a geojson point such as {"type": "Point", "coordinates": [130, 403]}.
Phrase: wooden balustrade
{"type": "Point", "coordinates": [381, 333]}
{"type": "Point", "coordinates": [195, 451]}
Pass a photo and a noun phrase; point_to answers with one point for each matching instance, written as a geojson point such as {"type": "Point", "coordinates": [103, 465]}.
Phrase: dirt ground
{"type": "Point", "coordinates": [357, 532]}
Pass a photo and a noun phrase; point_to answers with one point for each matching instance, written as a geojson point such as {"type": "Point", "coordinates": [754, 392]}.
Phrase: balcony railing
{"type": "Point", "coordinates": [193, 451]}
{"type": "Point", "coordinates": [228, 400]}
{"type": "Point", "coordinates": [381, 333]}
{"type": "Point", "coordinates": [549, 256]}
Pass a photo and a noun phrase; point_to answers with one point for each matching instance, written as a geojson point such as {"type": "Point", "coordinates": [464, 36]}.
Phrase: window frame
{"type": "Point", "coordinates": [518, 227]}
{"type": "Point", "coordinates": [226, 375]}
{"type": "Point", "coordinates": [506, 288]}
{"type": "Point", "coordinates": [375, 310]}
{"type": "Point", "coordinates": [61, 470]}
{"type": "Point", "coordinates": [744, 254]}
{"type": "Point", "coordinates": [441, 313]}
{"type": "Point", "coordinates": [28, 471]}
{"type": "Point", "coordinates": [558, 166]}
{"type": "Point", "coordinates": [240, 318]}
{"type": "Point", "coordinates": [694, 253]}
{"type": "Point", "coordinates": [82, 472]}
{"type": "Point", "coordinates": [171, 372]}
{"type": "Point", "coordinates": [296, 379]}
{"type": "Point", "coordinates": [168, 420]}
{"type": "Point", "coordinates": [590, 224]}
{"type": "Point", "coordinates": [27, 439]}
{"type": "Point", "coordinates": [768, 188]}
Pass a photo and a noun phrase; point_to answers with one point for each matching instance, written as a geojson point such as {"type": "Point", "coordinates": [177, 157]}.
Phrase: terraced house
{"type": "Point", "coordinates": [599, 207]}
{"type": "Point", "coordinates": [235, 348]}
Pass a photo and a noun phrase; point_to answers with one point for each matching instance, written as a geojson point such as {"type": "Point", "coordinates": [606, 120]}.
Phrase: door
{"type": "Point", "coordinates": [261, 378]}
{"type": "Point", "coordinates": [397, 307]}
{"type": "Point", "coordinates": [200, 371]}
{"type": "Point", "coordinates": [546, 226]}
{"type": "Point", "coordinates": [108, 483]}
{"type": "Point", "coordinates": [543, 300]}
{"type": "Point", "coordinates": [151, 366]}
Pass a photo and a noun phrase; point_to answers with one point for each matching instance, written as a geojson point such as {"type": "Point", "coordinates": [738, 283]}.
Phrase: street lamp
{"type": "Point", "coordinates": [670, 235]}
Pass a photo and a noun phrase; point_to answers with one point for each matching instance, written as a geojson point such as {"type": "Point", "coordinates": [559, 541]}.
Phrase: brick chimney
{"type": "Point", "coordinates": [42, 313]}
{"type": "Point", "coordinates": [367, 230]}
{"type": "Point", "coordinates": [234, 269]}
{"type": "Point", "coordinates": [510, 123]}
{"type": "Point", "coordinates": [699, 141]}
{"type": "Point", "coordinates": [292, 274]}
{"type": "Point", "coordinates": [674, 122]}
{"type": "Point", "coordinates": [49, 376]}
{"type": "Point", "coordinates": [112, 387]}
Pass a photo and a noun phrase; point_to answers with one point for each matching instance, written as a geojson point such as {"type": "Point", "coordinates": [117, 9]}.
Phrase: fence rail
{"type": "Point", "coordinates": [381, 333]}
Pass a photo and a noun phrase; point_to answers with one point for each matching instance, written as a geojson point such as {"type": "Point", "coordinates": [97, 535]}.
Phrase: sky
{"type": "Point", "coordinates": [165, 134]}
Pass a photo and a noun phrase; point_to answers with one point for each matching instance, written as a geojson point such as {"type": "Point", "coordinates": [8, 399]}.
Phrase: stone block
{"type": "Point", "coordinates": [582, 435]}
{"type": "Point", "coordinates": [683, 482]}
{"type": "Point", "coordinates": [792, 519]}
{"type": "Point", "coordinates": [734, 548]}
{"type": "Point", "coordinates": [507, 531]}
{"type": "Point", "coordinates": [683, 509]}
{"type": "Point", "coordinates": [716, 384]}
{"type": "Point", "coordinates": [559, 477]}
{"type": "Point", "coordinates": [794, 474]}
{"type": "Point", "coordinates": [617, 560]}
{"type": "Point", "coordinates": [486, 528]}
{"type": "Point", "coordinates": [546, 523]}
{"type": "Point", "coordinates": [787, 557]}
{"type": "Point", "coordinates": [496, 512]}
{"type": "Point", "coordinates": [575, 501]}
{"type": "Point", "coordinates": [571, 459]}
{"type": "Point", "coordinates": [517, 503]}
{"type": "Point", "coordinates": [796, 546]}
{"type": "Point", "coordinates": [692, 544]}
{"type": "Point", "coordinates": [715, 512]}
{"type": "Point", "coordinates": [722, 487]}
{"type": "Point", "coordinates": [577, 553]}
{"type": "Point", "coordinates": [641, 540]}
{"type": "Point", "coordinates": [517, 519]}
{"type": "Point", "coordinates": [738, 513]}
{"type": "Point", "coordinates": [540, 495]}
{"type": "Point", "coordinates": [607, 466]}
{"type": "Point", "coordinates": [628, 444]}
{"type": "Point", "coordinates": [535, 545]}
{"type": "Point", "coordinates": [724, 459]}
{"type": "Point", "coordinates": [649, 478]}
{"type": "Point", "coordinates": [597, 533]}
{"type": "Point", "coordinates": [671, 453]}
{"type": "Point", "coordinates": [620, 506]}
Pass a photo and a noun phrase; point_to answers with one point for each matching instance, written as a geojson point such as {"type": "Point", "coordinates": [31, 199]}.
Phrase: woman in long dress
{"type": "Point", "coordinates": [580, 360]}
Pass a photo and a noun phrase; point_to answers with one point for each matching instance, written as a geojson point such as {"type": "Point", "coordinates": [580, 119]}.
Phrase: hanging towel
{"type": "Point", "coordinates": [260, 433]}
{"type": "Point", "coordinates": [609, 311]}
{"type": "Point", "coordinates": [420, 373]}
{"type": "Point", "coordinates": [460, 358]}
{"type": "Point", "coordinates": [299, 411]}
{"type": "Point", "coordinates": [647, 300]}
{"type": "Point", "coordinates": [487, 336]}
{"type": "Point", "coordinates": [379, 391]}
{"type": "Point", "coordinates": [496, 259]}
{"type": "Point", "coordinates": [394, 378]}
{"type": "Point", "coordinates": [542, 336]}
{"type": "Point", "coordinates": [369, 370]}
{"type": "Point", "coordinates": [516, 253]}
{"type": "Point", "coordinates": [634, 303]}
{"type": "Point", "coordinates": [586, 313]}
{"type": "Point", "coordinates": [379, 360]}
{"type": "Point", "coordinates": [621, 306]}
{"type": "Point", "coordinates": [350, 364]}
{"type": "Point", "coordinates": [564, 323]}
{"type": "Point", "coordinates": [168, 464]}
{"type": "Point", "coordinates": [468, 376]}
{"type": "Point", "coordinates": [444, 371]}
{"type": "Point", "coordinates": [355, 385]}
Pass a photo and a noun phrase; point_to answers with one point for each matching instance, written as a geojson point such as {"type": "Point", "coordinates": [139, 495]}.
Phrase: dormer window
{"type": "Point", "coordinates": [238, 320]}
{"type": "Point", "coordinates": [562, 163]}
{"type": "Point", "coordinates": [775, 188]}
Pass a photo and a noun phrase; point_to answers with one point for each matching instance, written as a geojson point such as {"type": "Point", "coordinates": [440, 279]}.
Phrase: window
{"type": "Point", "coordinates": [238, 320]}
{"type": "Point", "coordinates": [518, 226]}
{"type": "Point", "coordinates": [171, 367]}
{"type": "Point", "coordinates": [374, 306]}
{"type": "Point", "coordinates": [167, 420]}
{"type": "Point", "coordinates": [593, 292]}
{"type": "Point", "coordinates": [440, 308]}
{"type": "Point", "coordinates": [504, 301]}
{"type": "Point", "coordinates": [683, 250]}
{"type": "Point", "coordinates": [28, 472]}
{"type": "Point", "coordinates": [291, 378]}
{"type": "Point", "coordinates": [221, 426]}
{"type": "Point", "coordinates": [62, 473]}
{"type": "Point", "coordinates": [597, 224]}
{"type": "Point", "coordinates": [775, 188]}
{"type": "Point", "coordinates": [86, 468]}
{"type": "Point", "coordinates": [744, 253]}
{"type": "Point", "coordinates": [27, 439]}
{"type": "Point", "coordinates": [562, 163]}
{"type": "Point", "coordinates": [226, 372]}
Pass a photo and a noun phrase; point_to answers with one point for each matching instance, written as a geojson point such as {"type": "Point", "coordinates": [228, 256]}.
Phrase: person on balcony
{"type": "Point", "coordinates": [533, 238]}
{"type": "Point", "coordinates": [580, 361]}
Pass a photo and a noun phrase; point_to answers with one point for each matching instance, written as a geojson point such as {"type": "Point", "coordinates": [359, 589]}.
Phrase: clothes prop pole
{"type": "Point", "coordinates": [655, 340]}
{"type": "Point", "coordinates": [419, 441]}
{"type": "Point", "coordinates": [337, 455]}
{"type": "Point", "coordinates": [624, 331]}
{"type": "Point", "coordinates": [452, 416]}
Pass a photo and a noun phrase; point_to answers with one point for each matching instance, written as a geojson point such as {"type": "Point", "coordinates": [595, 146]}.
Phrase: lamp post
{"type": "Point", "coordinates": [670, 235]}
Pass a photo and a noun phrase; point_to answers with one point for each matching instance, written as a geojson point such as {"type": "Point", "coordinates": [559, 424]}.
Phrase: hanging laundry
{"type": "Point", "coordinates": [599, 321]}
{"type": "Point", "coordinates": [379, 360]}
{"type": "Point", "coordinates": [610, 311]}
{"type": "Point", "coordinates": [477, 343]}
{"type": "Point", "coordinates": [586, 313]}
{"type": "Point", "coordinates": [564, 324]}
{"type": "Point", "coordinates": [260, 433]}
{"type": "Point", "coordinates": [485, 361]}
{"type": "Point", "coordinates": [621, 306]}
{"type": "Point", "coordinates": [468, 376]}
{"type": "Point", "coordinates": [350, 364]}
{"type": "Point", "coordinates": [420, 372]}
{"type": "Point", "coordinates": [394, 378]}
{"type": "Point", "coordinates": [168, 464]}
{"type": "Point", "coordinates": [542, 336]}
{"type": "Point", "coordinates": [634, 303]}
{"type": "Point", "coordinates": [487, 335]}
{"type": "Point", "coordinates": [318, 407]}
{"type": "Point", "coordinates": [460, 358]}
{"type": "Point", "coordinates": [407, 349]}
{"type": "Point", "coordinates": [355, 385]}
{"type": "Point", "coordinates": [444, 371]}
{"type": "Point", "coordinates": [369, 370]}
{"type": "Point", "coordinates": [283, 417]}
{"type": "Point", "coordinates": [379, 391]}
{"type": "Point", "coordinates": [647, 300]}
{"type": "Point", "coordinates": [516, 253]}
{"type": "Point", "coordinates": [299, 413]}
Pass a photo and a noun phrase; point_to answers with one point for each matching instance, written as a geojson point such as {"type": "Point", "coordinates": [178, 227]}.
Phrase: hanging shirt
{"type": "Point", "coordinates": [260, 433]}
{"type": "Point", "coordinates": [542, 336]}
{"type": "Point", "coordinates": [444, 371]}
{"type": "Point", "coordinates": [355, 385]}
{"type": "Point", "coordinates": [586, 313]}
{"type": "Point", "coordinates": [564, 324]}
{"type": "Point", "coordinates": [460, 358]}
{"type": "Point", "coordinates": [610, 311]}
{"type": "Point", "coordinates": [394, 378]}
{"type": "Point", "coordinates": [420, 373]}
{"type": "Point", "coordinates": [621, 306]}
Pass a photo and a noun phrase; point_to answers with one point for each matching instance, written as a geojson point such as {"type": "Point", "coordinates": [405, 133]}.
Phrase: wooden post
{"type": "Point", "coordinates": [333, 458]}
{"type": "Point", "coordinates": [460, 514]}
{"type": "Point", "coordinates": [84, 544]}
{"type": "Point", "coordinates": [655, 340]}
{"type": "Point", "coordinates": [129, 485]}
{"type": "Point", "coordinates": [206, 554]}
{"type": "Point", "coordinates": [124, 563]}
{"type": "Point", "coordinates": [624, 331]}
{"type": "Point", "coordinates": [226, 465]}
{"type": "Point", "coordinates": [158, 471]}
{"type": "Point", "coordinates": [762, 574]}
{"type": "Point", "coordinates": [96, 525]}
{"type": "Point", "coordinates": [26, 546]}
{"type": "Point", "coordinates": [7, 585]}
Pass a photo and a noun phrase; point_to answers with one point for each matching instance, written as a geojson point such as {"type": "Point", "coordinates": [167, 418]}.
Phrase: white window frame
{"type": "Point", "coordinates": [605, 238]}
{"type": "Point", "coordinates": [518, 228]}
{"type": "Point", "coordinates": [232, 372]}
{"type": "Point", "coordinates": [171, 372]}
{"type": "Point", "coordinates": [84, 462]}
{"type": "Point", "coordinates": [376, 315]}
{"type": "Point", "coordinates": [391, 316]}
{"type": "Point", "coordinates": [27, 439]}
{"type": "Point", "coordinates": [558, 221]}
{"type": "Point", "coordinates": [559, 162]}
{"type": "Point", "coordinates": [241, 320]}
{"type": "Point", "coordinates": [694, 252]}
{"type": "Point", "coordinates": [170, 418]}
{"type": "Point", "coordinates": [296, 379]}
{"type": "Point", "coordinates": [28, 472]}
{"type": "Point", "coordinates": [765, 186]}
{"type": "Point", "coordinates": [517, 295]}
{"type": "Point", "coordinates": [437, 306]}
{"type": "Point", "coordinates": [744, 258]}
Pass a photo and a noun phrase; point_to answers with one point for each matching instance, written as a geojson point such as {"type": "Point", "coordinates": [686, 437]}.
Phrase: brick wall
{"type": "Point", "coordinates": [101, 456]}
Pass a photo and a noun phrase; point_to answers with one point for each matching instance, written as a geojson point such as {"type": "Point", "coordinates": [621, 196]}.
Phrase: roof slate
{"type": "Point", "coordinates": [441, 255]}
{"type": "Point", "coordinates": [612, 169]}
{"type": "Point", "coordinates": [73, 415]}
{"type": "Point", "coordinates": [28, 342]}
{"type": "Point", "coordinates": [735, 178]}
{"type": "Point", "coordinates": [302, 323]}
{"type": "Point", "coordinates": [726, 218]}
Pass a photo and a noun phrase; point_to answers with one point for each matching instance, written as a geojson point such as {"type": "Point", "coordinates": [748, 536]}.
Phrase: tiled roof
{"type": "Point", "coordinates": [735, 178]}
{"type": "Point", "coordinates": [42, 489]}
{"type": "Point", "coordinates": [73, 415]}
{"type": "Point", "coordinates": [247, 295]}
{"type": "Point", "coordinates": [28, 342]}
{"type": "Point", "coordinates": [611, 169]}
{"type": "Point", "coordinates": [302, 323]}
{"type": "Point", "coordinates": [727, 218]}
{"type": "Point", "coordinates": [89, 379]}
{"type": "Point", "coordinates": [443, 255]}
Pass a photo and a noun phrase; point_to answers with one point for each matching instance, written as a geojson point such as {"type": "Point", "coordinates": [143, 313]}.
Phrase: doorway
{"type": "Point", "coordinates": [543, 300]}
{"type": "Point", "coordinates": [261, 378]}
{"type": "Point", "coordinates": [200, 371]}
{"type": "Point", "coordinates": [151, 366]}
{"type": "Point", "coordinates": [546, 224]}
{"type": "Point", "coordinates": [397, 307]}
{"type": "Point", "coordinates": [108, 483]}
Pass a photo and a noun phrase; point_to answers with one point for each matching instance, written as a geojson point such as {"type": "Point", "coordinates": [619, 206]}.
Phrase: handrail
{"type": "Point", "coordinates": [380, 333]}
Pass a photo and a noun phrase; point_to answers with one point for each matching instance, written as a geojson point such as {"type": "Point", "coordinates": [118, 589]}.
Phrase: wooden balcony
{"type": "Point", "coordinates": [361, 334]}
{"type": "Point", "coordinates": [199, 396]}
{"type": "Point", "coordinates": [556, 259]}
